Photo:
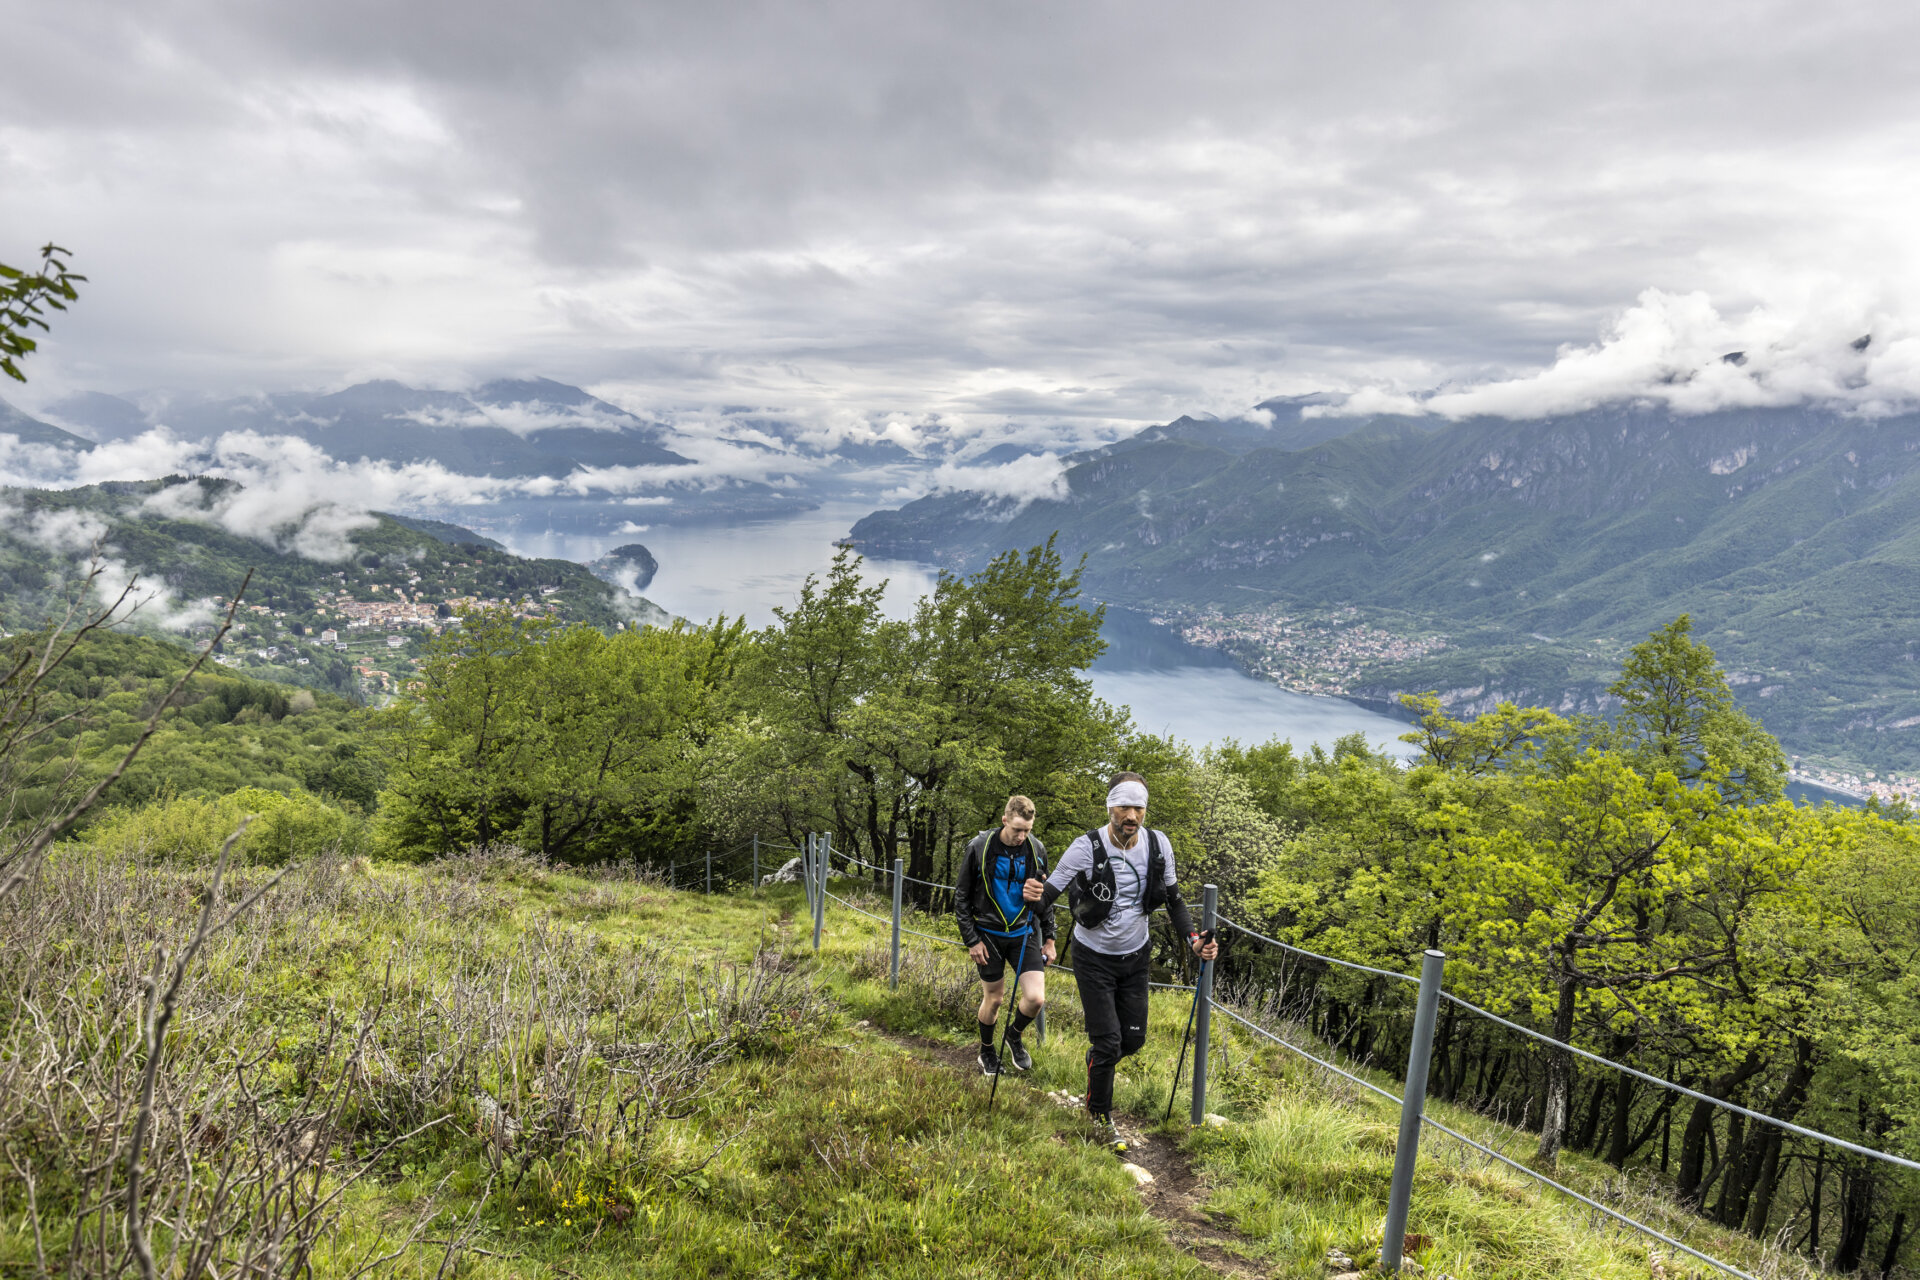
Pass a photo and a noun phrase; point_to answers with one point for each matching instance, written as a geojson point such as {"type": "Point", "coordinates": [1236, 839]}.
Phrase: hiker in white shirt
{"type": "Point", "coordinates": [1115, 877]}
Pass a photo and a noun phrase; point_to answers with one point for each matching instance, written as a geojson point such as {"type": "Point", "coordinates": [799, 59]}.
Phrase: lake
{"type": "Point", "coordinates": [1172, 687]}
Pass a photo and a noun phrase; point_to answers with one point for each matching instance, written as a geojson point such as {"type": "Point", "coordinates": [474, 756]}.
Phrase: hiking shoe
{"type": "Point", "coordinates": [1106, 1135]}
{"type": "Point", "coordinates": [989, 1061]}
{"type": "Point", "coordinates": [1017, 1056]}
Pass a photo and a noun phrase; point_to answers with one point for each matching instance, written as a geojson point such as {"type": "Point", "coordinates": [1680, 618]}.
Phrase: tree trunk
{"type": "Point", "coordinates": [1589, 1136]}
{"type": "Point", "coordinates": [1892, 1255]}
{"type": "Point", "coordinates": [879, 839]}
{"type": "Point", "coordinates": [1856, 1215]}
{"type": "Point", "coordinates": [920, 857]}
{"type": "Point", "coordinates": [1443, 1050]}
{"type": "Point", "coordinates": [1491, 1089]}
{"type": "Point", "coordinates": [1693, 1155]}
{"type": "Point", "coordinates": [1620, 1140]}
{"type": "Point", "coordinates": [1480, 1071]}
{"type": "Point", "coordinates": [1786, 1106]}
{"type": "Point", "coordinates": [1692, 1187]}
{"type": "Point", "coordinates": [1559, 1092]}
{"type": "Point", "coordinates": [1819, 1186]}
{"type": "Point", "coordinates": [1659, 1122]}
{"type": "Point", "coordinates": [1732, 1207]}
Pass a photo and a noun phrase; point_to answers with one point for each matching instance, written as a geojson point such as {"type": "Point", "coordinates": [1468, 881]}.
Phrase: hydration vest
{"type": "Point", "coordinates": [1090, 894]}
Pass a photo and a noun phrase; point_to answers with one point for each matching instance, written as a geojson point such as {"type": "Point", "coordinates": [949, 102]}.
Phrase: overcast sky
{"type": "Point", "coordinates": [1035, 213]}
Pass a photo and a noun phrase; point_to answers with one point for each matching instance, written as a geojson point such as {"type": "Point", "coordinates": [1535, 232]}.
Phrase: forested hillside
{"type": "Point", "coordinates": [363, 577]}
{"type": "Point", "coordinates": [1536, 550]}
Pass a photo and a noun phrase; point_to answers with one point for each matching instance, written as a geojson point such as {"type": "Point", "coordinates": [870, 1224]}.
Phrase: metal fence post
{"type": "Point", "coordinates": [806, 868]}
{"type": "Point", "coordinates": [1203, 1008]}
{"type": "Point", "coordinates": [756, 862]}
{"type": "Point", "coordinates": [899, 885]}
{"type": "Point", "coordinates": [1412, 1107]}
{"type": "Point", "coordinates": [823, 859]}
{"type": "Point", "coordinates": [709, 869]}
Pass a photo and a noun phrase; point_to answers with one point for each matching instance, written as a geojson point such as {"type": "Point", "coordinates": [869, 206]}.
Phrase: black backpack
{"type": "Point", "coordinates": [1090, 894]}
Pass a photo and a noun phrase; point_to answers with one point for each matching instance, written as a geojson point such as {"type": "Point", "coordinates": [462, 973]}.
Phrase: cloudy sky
{"type": "Point", "coordinates": [1046, 215]}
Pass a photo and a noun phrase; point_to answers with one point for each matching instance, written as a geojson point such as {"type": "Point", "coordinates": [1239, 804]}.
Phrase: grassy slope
{"type": "Point", "coordinates": [863, 1153]}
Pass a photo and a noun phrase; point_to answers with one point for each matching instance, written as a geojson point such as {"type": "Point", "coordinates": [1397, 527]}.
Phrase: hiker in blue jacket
{"type": "Point", "coordinates": [1001, 928]}
{"type": "Point", "coordinates": [1115, 877]}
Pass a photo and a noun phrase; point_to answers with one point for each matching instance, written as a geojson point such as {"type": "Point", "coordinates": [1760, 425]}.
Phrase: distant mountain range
{"type": "Point", "coordinates": [506, 429]}
{"type": "Point", "coordinates": [1539, 548]}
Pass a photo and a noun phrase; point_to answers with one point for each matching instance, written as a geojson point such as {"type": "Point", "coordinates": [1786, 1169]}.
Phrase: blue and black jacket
{"type": "Point", "coordinates": [987, 898]}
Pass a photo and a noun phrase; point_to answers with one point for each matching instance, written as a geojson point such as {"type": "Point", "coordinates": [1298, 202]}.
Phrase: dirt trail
{"type": "Point", "coordinates": [1176, 1192]}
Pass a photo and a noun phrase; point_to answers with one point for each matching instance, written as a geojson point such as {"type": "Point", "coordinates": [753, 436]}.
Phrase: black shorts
{"type": "Point", "coordinates": [1002, 952]}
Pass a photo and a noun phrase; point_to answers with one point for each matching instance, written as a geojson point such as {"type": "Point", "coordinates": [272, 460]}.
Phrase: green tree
{"type": "Point", "coordinates": [914, 730]}
{"type": "Point", "coordinates": [1677, 714]}
{"type": "Point", "coordinates": [572, 742]}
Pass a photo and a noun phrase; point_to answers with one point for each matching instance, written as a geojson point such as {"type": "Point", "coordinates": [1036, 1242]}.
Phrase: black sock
{"type": "Point", "coordinates": [986, 1034]}
{"type": "Point", "coordinates": [1021, 1021]}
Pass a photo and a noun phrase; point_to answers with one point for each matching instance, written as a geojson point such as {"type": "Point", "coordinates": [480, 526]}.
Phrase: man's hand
{"type": "Point", "coordinates": [979, 952]}
{"type": "Point", "coordinates": [1032, 890]}
{"type": "Point", "coordinates": [1046, 950]}
{"type": "Point", "coordinates": [1205, 948]}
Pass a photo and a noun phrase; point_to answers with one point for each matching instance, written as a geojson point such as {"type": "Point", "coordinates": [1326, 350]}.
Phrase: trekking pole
{"type": "Point", "coordinates": [1180, 1062]}
{"type": "Point", "coordinates": [1012, 1004]}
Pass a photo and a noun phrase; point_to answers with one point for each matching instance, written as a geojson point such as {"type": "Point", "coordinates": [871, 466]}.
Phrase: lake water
{"type": "Point", "coordinates": [1171, 687]}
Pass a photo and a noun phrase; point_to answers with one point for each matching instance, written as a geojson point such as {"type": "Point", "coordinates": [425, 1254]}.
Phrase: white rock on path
{"type": "Point", "coordinates": [1140, 1176]}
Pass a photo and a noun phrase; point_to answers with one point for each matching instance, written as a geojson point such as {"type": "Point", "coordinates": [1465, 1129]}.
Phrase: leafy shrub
{"type": "Point", "coordinates": [190, 828]}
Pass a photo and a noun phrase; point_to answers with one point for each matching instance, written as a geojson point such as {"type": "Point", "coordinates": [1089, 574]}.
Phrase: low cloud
{"type": "Point", "coordinates": [79, 540]}
{"type": "Point", "coordinates": [1014, 485]}
{"type": "Point", "coordinates": [1680, 351]}
{"type": "Point", "coordinates": [293, 496]}
{"type": "Point", "coordinates": [64, 533]}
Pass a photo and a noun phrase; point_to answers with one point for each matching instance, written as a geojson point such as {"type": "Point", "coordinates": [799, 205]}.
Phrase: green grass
{"type": "Point", "coordinates": [837, 1139]}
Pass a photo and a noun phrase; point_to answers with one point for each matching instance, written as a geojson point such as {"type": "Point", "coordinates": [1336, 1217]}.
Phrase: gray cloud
{"type": "Point", "coordinates": [1045, 221]}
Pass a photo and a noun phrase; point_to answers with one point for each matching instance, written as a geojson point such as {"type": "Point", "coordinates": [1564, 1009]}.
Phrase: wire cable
{"type": "Point", "coordinates": [1615, 1214]}
{"type": "Point", "coordinates": [1390, 1097]}
{"type": "Point", "coordinates": [1788, 1125]}
{"type": "Point", "coordinates": [1302, 951]}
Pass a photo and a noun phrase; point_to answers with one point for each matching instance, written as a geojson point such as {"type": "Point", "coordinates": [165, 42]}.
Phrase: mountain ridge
{"type": "Point", "coordinates": [1792, 536]}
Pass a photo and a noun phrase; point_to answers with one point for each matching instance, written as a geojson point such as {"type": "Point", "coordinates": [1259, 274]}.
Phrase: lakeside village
{"type": "Point", "coordinates": [379, 639]}
{"type": "Point", "coordinates": [1889, 788]}
{"type": "Point", "coordinates": [1324, 653]}
{"type": "Point", "coordinates": [1308, 653]}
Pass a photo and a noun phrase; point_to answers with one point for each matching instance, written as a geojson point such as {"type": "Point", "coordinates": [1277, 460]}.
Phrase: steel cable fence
{"type": "Point", "coordinates": [1575, 1050]}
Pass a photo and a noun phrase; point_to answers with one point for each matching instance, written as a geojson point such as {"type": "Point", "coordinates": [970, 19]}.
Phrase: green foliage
{"type": "Point", "coordinates": [24, 300]}
{"type": "Point", "coordinates": [578, 744]}
{"type": "Point", "coordinates": [282, 829]}
{"type": "Point", "coordinates": [1676, 708]}
{"type": "Point", "coordinates": [1631, 888]}
{"type": "Point", "coordinates": [226, 733]}
{"type": "Point", "coordinates": [917, 730]}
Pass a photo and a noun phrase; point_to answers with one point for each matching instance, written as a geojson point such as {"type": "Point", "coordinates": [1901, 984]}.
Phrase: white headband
{"type": "Point", "coordinates": [1129, 795]}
